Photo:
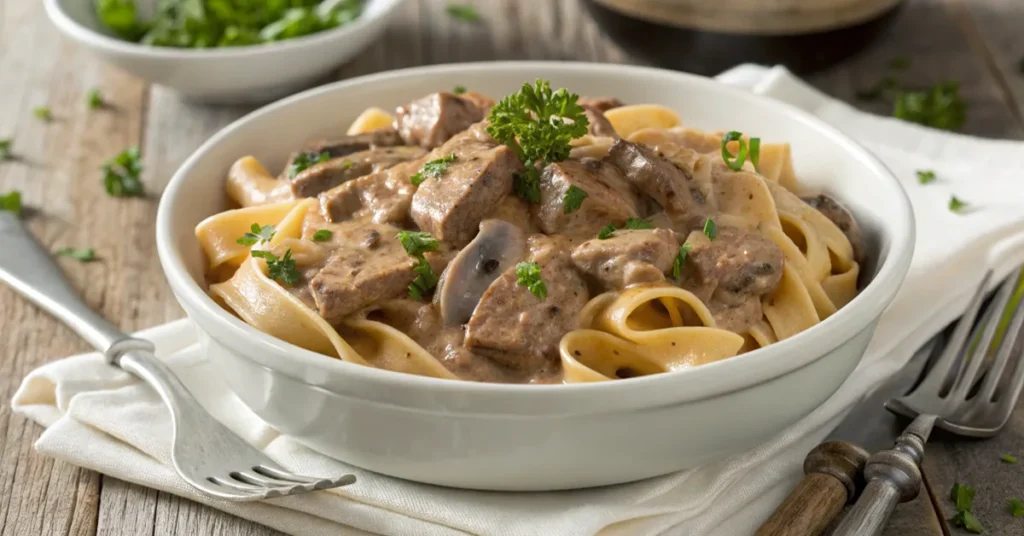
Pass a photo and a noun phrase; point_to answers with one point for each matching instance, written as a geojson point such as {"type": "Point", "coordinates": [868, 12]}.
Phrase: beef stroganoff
{"type": "Point", "coordinates": [545, 238]}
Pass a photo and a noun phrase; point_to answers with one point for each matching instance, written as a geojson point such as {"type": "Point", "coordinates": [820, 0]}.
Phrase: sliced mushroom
{"type": "Point", "coordinates": [496, 248]}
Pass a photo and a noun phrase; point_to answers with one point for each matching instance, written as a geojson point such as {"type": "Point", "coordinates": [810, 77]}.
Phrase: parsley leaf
{"type": "Point", "coordinates": [43, 112]}
{"type": "Point", "coordinates": [962, 496]}
{"type": "Point", "coordinates": [94, 99]}
{"type": "Point", "coordinates": [956, 204]}
{"type": "Point", "coordinates": [81, 255]}
{"type": "Point", "coordinates": [281, 269]}
{"type": "Point", "coordinates": [925, 176]}
{"type": "Point", "coordinates": [425, 279]}
{"type": "Point", "coordinates": [305, 160]}
{"type": "Point", "coordinates": [121, 174]}
{"type": "Point", "coordinates": [528, 275]}
{"type": "Point", "coordinates": [1008, 458]}
{"type": "Point", "coordinates": [5, 149]}
{"type": "Point", "coordinates": [638, 223]}
{"type": "Point", "coordinates": [459, 90]}
{"type": "Point", "coordinates": [256, 235]}
{"type": "Point", "coordinates": [606, 232]}
{"type": "Point", "coordinates": [710, 229]}
{"type": "Point", "coordinates": [938, 107]}
{"type": "Point", "coordinates": [965, 519]}
{"type": "Point", "coordinates": [417, 242]}
{"type": "Point", "coordinates": [433, 169]}
{"type": "Point", "coordinates": [573, 198]}
{"type": "Point", "coordinates": [537, 124]}
{"type": "Point", "coordinates": [463, 12]}
{"type": "Point", "coordinates": [1016, 507]}
{"type": "Point", "coordinates": [322, 235]}
{"type": "Point", "coordinates": [11, 202]}
{"type": "Point", "coordinates": [677, 265]}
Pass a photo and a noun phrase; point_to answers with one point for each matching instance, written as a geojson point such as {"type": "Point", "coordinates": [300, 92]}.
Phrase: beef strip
{"type": "Point", "coordinates": [326, 175]}
{"type": "Point", "coordinates": [519, 330]}
{"type": "Point", "coordinates": [610, 199]}
{"type": "Point", "coordinates": [599, 124]}
{"type": "Point", "coordinates": [601, 104]}
{"type": "Point", "coordinates": [452, 205]}
{"type": "Point", "coordinates": [381, 197]}
{"type": "Point", "coordinates": [673, 187]}
{"type": "Point", "coordinates": [843, 219]}
{"type": "Point", "coordinates": [729, 272]}
{"type": "Point", "coordinates": [628, 257]}
{"type": "Point", "coordinates": [346, 145]}
{"type": "Point", "coordinates": [368, 266]}
{"type": "Point", "coordinates": [432, 120]}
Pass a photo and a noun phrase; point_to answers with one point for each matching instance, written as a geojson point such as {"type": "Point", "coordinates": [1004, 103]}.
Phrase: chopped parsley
{"type": "Point", "coordinates": [433, 169]}
{"type": "Point", "coordinates": [94, 99]}
{"type": "Point", "coordinates": [956, 204]}
{"type": "Point", "coordinates": [322, 235]}
{"type": "Point", "coordinates": [638, 223]}
{"type": "Point", "coordinates": [939, 106]}
{"type": "Point", "coordinates": [537, 124]}
{"type": "Point", "coordinates": [710, 229]}
{"type": "Point", "coordinates": [677, 265]}
{"type": "Point", "coordinates": [305, 160]}
{"type": "Point", "coordinates": [81, 255]}
{"type": "Point", "coordinates": [416, 243]}
{"type": "Point", "coordinates": [256, 235]}
{"type": "Point", "coordinates": [606, 232]}
{"type": "Point", "coordinates": [1016, 507]}
{"type": "Point", "coordinates": [925, 176]}
{"type": "Point", "coordinates": [966, 520]}
{"type": "Point", "coordinates": [121, 174]}
{"type": "Point", "coordinates": [43, 112]}
{"type": "Point", "coordinates": [962, 496]}
{"type": "Point", "coordinates": [464, 12]}
{"type": "Point", "coordinates": [11, 202]}
{"type": "Point", "coordinates": [5, 149]}
{"type": "Point", "coordinates": [528, 275]}
{"type": "Point", "coordinates": [751, 150]}
{"type": "Point", "coordinates": [573, 198]}
{"type": "Point", "coordinates": [1008, 458]}
{"type": "Point", "coordinates": [459, 90]}
{"type": "Point", "coordinates": [280, 269]}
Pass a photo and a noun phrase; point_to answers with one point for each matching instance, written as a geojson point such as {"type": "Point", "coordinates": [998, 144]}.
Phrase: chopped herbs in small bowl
{"type": "Point", "coordinates": [225, 51]}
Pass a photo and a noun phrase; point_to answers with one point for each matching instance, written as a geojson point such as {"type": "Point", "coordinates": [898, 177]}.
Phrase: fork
{"type": "Point", "coordinates": [951, 397]}
{"type": "Point", "coordinates": [205, 453]}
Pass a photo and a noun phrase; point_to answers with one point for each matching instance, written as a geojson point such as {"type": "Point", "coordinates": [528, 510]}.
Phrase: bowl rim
{"type": "Point", "coordinates": [85, 34]}
{"type": "Point", "coordinates": [702, 382]}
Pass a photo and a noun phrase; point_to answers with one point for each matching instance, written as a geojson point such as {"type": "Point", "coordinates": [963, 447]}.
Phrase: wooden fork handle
{"type": "Point", "coordinates": [832, 472]}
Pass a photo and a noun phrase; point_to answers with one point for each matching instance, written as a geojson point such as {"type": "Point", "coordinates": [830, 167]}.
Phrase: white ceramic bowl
{"type": "Point", "coordinates": [536, 437]}
{"type": "Point", "coordinates": [229, 75]}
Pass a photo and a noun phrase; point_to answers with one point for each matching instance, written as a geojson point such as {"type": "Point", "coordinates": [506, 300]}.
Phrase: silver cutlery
{"type": "Point", "coordinates": [205, 453]}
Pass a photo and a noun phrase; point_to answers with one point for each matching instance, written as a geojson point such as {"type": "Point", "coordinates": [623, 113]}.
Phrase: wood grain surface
{"type": "Point", "coordinates": [980, 43]}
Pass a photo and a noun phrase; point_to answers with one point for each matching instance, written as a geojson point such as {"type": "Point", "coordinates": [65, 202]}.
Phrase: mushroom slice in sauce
{"type": "Point", "coordinates": [496, 248]}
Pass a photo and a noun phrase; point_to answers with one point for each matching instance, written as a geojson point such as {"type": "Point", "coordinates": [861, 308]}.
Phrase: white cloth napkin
{"type": "Point", "coordinates": [106, 420]}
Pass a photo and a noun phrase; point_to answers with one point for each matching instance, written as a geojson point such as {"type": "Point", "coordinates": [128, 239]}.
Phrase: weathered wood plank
{"type": "Point", "coordinates": [996, 27]}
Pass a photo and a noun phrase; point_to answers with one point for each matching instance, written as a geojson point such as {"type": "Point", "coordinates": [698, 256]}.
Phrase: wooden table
{"type": "Point", "coordinates": [980, 43]}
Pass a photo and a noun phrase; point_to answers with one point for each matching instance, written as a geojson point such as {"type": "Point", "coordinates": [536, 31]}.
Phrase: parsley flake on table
{"type": "Point", "coordinates": [537, 124]}
{"type": "Point", "coordinates": [1016, 507]}
{"type": "Point", "coordinates": [94, 99]}
{"type": "Point", "coordinates": [939, 106]}
{"type": "Point", "coordinates": [710, 229]}
{"type": "Point", "coordinates": [280, 269]}
{"type": "Point", "coordinates": [925, 176]}
{"type": "Point", "coordinates": [256, 235]}
{"type": "Point", "coordinates": [463, 12]}
{"type": "Point", "coordinates": [637, 223]}
{"type": "Point", "coordinates": [81, 255]}
{"type": "Point", "coordinates": [606, 232]}
{"type": "Point", "coordinates": [966, 520]}
{"type": "Point", "coordinates": [573, 198]}
{"type": "Point", "coordinates": [322, 235]}
{"type": "Point", "coordinates": [962, 496]}
{"type": "Point", "coordinates": [677, 265]}
{"type": "Point", "coordinates": [11, 202]}
{"type": "Point", "coordinates": [1008, 458]}
{"type": "Point", "coordinates": [305, 160]}
{"type": "Point", "coordinates": [43, 112]}
{"type": "Point", "coordinates": [5, 149]}
{"type": "Point", "coordinates": [433, 169]}
{"type": "Point", "coordinates": [416, 243]}
{"type": "Point", "coordinates": [121, 174]}
{"type": "Point", "coordinates": [956, 204]}
{"type": "Point", "coordinates": [528, 275]}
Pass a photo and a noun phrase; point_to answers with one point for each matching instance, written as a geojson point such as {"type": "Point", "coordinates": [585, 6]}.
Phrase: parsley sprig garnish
{"type": "Point", "coordinates": [573, 198]}
{"type": "Point", "coordinates": [537, 124]}
{"type": "Point", "coordinates": [677, 265]}
{"type": "Point", "coordinates": [44, 113]}
{"type": "Point", "coordinates": [280, 269]}
{"type": "Point", "coordinates": [416, 243]}
{"type": "Point", "coordinates": [939, 106]}
{"type": "Point", "coordinates": [5, 149]}
{"type": "Point", "coordinates": [751, 150]}
{"type": "Point", "coordinates": [528, 275]}
{"type": "Point", "coordinates": [322, 235]}
{"type": "Point", "coordinates": [956, 204]}
{"type": "Point", "coordinates": [80, 255]}
{"type": "Point", "coordinates": [925, 176]}
{"type": "Point", "coordinates": [11, 202]}
{"type": "Point", "coordinates": [606, 232]}
{"type": "Point", "coordinates": [710, 228]}
{"type": "Point", "coordinates": [256, 235]}
{"type": "Point", "coordinates": [121, 174]}
{"type": "Point", "coordinates": [305, 160]}
{"type": "Point", "coordinates": [94, 99]}
{"type": "Point", "coordinates": [433, 169]}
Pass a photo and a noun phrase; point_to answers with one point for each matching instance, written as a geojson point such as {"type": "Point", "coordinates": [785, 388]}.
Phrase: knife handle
{"type": "Point", "coordinates": [831, 476]}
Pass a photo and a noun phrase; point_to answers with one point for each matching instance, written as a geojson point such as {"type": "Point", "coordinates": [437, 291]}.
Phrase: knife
{"type": "Point", "coordinates": [833, 470]}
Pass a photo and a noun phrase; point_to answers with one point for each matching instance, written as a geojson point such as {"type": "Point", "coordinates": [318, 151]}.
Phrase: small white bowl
{"type": "Point", "coordinates": [536, 437]}
{"type": "Point", "coordinates": [255, 73]}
